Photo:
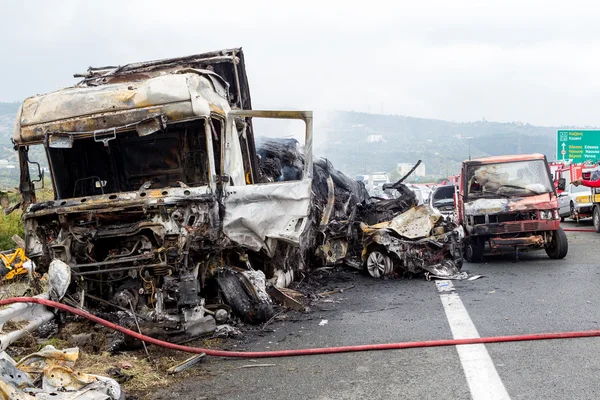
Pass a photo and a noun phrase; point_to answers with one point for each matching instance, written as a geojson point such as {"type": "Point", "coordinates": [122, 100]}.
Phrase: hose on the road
{"type": "Point", "coordinates": [578, 230]}
{"type": "Point", "coordinates": [299, 352]}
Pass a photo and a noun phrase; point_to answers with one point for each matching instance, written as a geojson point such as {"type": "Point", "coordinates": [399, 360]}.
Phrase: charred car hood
{"type": "Point", "coordinates": [415, 223]}
{"type": "Point", "coordinates": [543, 201]}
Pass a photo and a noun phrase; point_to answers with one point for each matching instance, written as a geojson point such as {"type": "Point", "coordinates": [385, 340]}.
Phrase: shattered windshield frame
{"type": "Point", "coordinates": [182, 155]}
{"type": "Point", "coordinates": [508, 179]}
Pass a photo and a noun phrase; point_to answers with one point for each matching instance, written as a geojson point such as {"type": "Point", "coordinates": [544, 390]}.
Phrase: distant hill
{"type": "Point", "coordinates": [9, 177]}
{"type": "Point", "coordinates": [9, 108]}
{"type": "Point", "coordinates": [359, 143]}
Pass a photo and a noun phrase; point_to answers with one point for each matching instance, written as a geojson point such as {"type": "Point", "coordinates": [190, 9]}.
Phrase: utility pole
{"type": "Point", "coordinates": [469, 149]}
{"type": "Point", "coordinates": [469, 137]}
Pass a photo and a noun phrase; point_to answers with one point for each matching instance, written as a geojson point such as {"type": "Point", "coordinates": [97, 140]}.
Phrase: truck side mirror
{"type": "Point", "coordinates": [562, 183]}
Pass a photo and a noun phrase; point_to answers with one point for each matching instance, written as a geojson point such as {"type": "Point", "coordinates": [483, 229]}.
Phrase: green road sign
{"type": "Point", "coordinates": [578, 145]}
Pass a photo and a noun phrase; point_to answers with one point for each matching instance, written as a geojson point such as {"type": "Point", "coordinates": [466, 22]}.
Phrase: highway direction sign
{"type": "Point", "coordinates": [578, 145]}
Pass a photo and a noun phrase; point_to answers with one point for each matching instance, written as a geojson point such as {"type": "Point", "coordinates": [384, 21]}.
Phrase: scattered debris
{"type": "Point", "coordinates": [323, 322]}
{"type": "Point", "coordinates": [256, 366]}
{"type": "Point", "coordinates": [459, 276]}
{"type": "Point", "coordinates": [50, 372]}
{"type": "Point", "coordinates": [330, 292]}
{"type": "Point", "coordinates": [27, 316]}
{"type": "Point", "coordinates": [13, 263]}
{"type": "Point", "coordinates": [226, 331]}
{"type": "Point", "coordinates": [126, 365]}
{"type": "Point", "coordinates": [81, 339]}
{"type": "Point", "coordinates": [187, 364]}
{"type": "Point", "coordinates": [475, 277]}
{"type": "Point", "coordinates": [271, 320]}
{"type": "Point", "coordinates": [118, 375]}
{"type": "Point", "coordinates": [381, 309]}
{"type": "Point", "coordinates": [281, 296]}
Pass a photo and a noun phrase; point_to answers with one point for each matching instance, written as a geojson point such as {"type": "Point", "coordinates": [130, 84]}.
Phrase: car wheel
{"type": "Point", "coordinates": [379, 264]}
{"type": "Point", "coordinates": [572, 211]}
{"type": "Point", "coordinates": [559, 246]}
{"type": "Point", "coordinates": [474, 249]}
{"type": "Point", "coordinates": [596, 219]}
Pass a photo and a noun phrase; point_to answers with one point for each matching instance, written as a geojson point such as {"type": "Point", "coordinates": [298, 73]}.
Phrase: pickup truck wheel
{"type": "Point", "coordinates": [596, 219]}
{"type": "Point", "coordinates": [379, 263]}
{"type": "Point", "coordinates": [558, 248]}
{"type": "Point", "coordinates": [474, 249]}
{"type": "Point", "coordinates": [572, 211]}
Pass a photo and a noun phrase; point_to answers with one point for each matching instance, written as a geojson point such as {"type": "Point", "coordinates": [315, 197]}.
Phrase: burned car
{"type": "Point", "coordinates": [418, 239]}
{"type": "Point", "coordinates": [158, 204]}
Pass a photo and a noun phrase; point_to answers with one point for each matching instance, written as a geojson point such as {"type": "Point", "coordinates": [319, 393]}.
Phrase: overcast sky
{"type": "Point", "coordinates": [460, 60]}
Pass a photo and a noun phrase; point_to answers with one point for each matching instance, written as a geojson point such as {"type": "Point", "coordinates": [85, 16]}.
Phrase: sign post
{"type": "Point", "coordinates": [578, 145]}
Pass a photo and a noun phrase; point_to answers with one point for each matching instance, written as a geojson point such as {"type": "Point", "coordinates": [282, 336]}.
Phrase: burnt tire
{"type": "Point", "coordinates": [596, 219]}
{"type": "Point", "coordinates": [246, 306]}
{"type": "Point", "coordinates": [559, 246]}
{"type": "Point", "coordinates": [379, 263]}
{"type": "Point", "coordinates": [474, 247]}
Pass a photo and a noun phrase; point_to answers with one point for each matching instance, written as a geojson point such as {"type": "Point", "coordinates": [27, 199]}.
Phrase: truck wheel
{"type": "Point", "coordinates": [596, 219]}
{"type": "Point", "coordinates": [379, 263]}
{"type": "Point", "coordinates": [559, 246]}
{"type": "Point", "coordinates": [474, 249]}
{"type": "Point", "coordinates": [243, 304]}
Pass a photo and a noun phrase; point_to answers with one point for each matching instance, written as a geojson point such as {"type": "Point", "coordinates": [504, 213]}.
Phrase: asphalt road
{"type": "Point", "coordinates": [533, 295]}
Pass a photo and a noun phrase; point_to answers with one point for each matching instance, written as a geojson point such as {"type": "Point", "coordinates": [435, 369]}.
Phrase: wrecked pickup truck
{"type": "Point", "coordinates": [158, 201]}
{"type": "Point", "coordinates": [508, 203]}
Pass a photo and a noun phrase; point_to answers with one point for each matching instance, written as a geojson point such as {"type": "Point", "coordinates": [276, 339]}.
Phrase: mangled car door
{"type": "Point", "coordinates": [270, 205]}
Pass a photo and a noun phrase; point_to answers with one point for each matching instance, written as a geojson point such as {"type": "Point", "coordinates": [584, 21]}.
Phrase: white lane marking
{"type": "Point", "coordinates": [482, 377]}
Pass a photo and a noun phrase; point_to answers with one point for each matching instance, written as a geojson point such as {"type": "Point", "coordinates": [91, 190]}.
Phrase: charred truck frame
{"type": "Point", "coordinates": [509, 203]}
{"type": "Point", "coordinates": [157, 189]}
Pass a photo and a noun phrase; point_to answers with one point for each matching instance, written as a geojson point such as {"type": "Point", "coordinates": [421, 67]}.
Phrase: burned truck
{"type": "Point", "coordinates": [158, 203]}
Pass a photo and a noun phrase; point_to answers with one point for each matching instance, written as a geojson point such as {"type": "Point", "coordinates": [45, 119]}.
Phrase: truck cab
{"type": "Point", "coordinates": [509, 203]}
{"type": "Point", "coordinates": [157, 194]}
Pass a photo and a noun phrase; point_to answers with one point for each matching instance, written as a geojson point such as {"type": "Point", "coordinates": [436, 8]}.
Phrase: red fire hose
{"type": "Point", "coordinates": [578, 230]}
{"type": "Point", "coordinates": [300, 352]}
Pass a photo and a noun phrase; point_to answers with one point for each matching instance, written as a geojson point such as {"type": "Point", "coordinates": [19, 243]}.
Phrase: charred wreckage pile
{"type": "Point", "coordinates": [378, 235]}
{"type": "Point", "coordinates": [168, 209]}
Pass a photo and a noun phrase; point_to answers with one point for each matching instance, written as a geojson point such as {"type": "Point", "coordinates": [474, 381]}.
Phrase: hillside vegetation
{"type": "Point", "coordinates": [441, 145]}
